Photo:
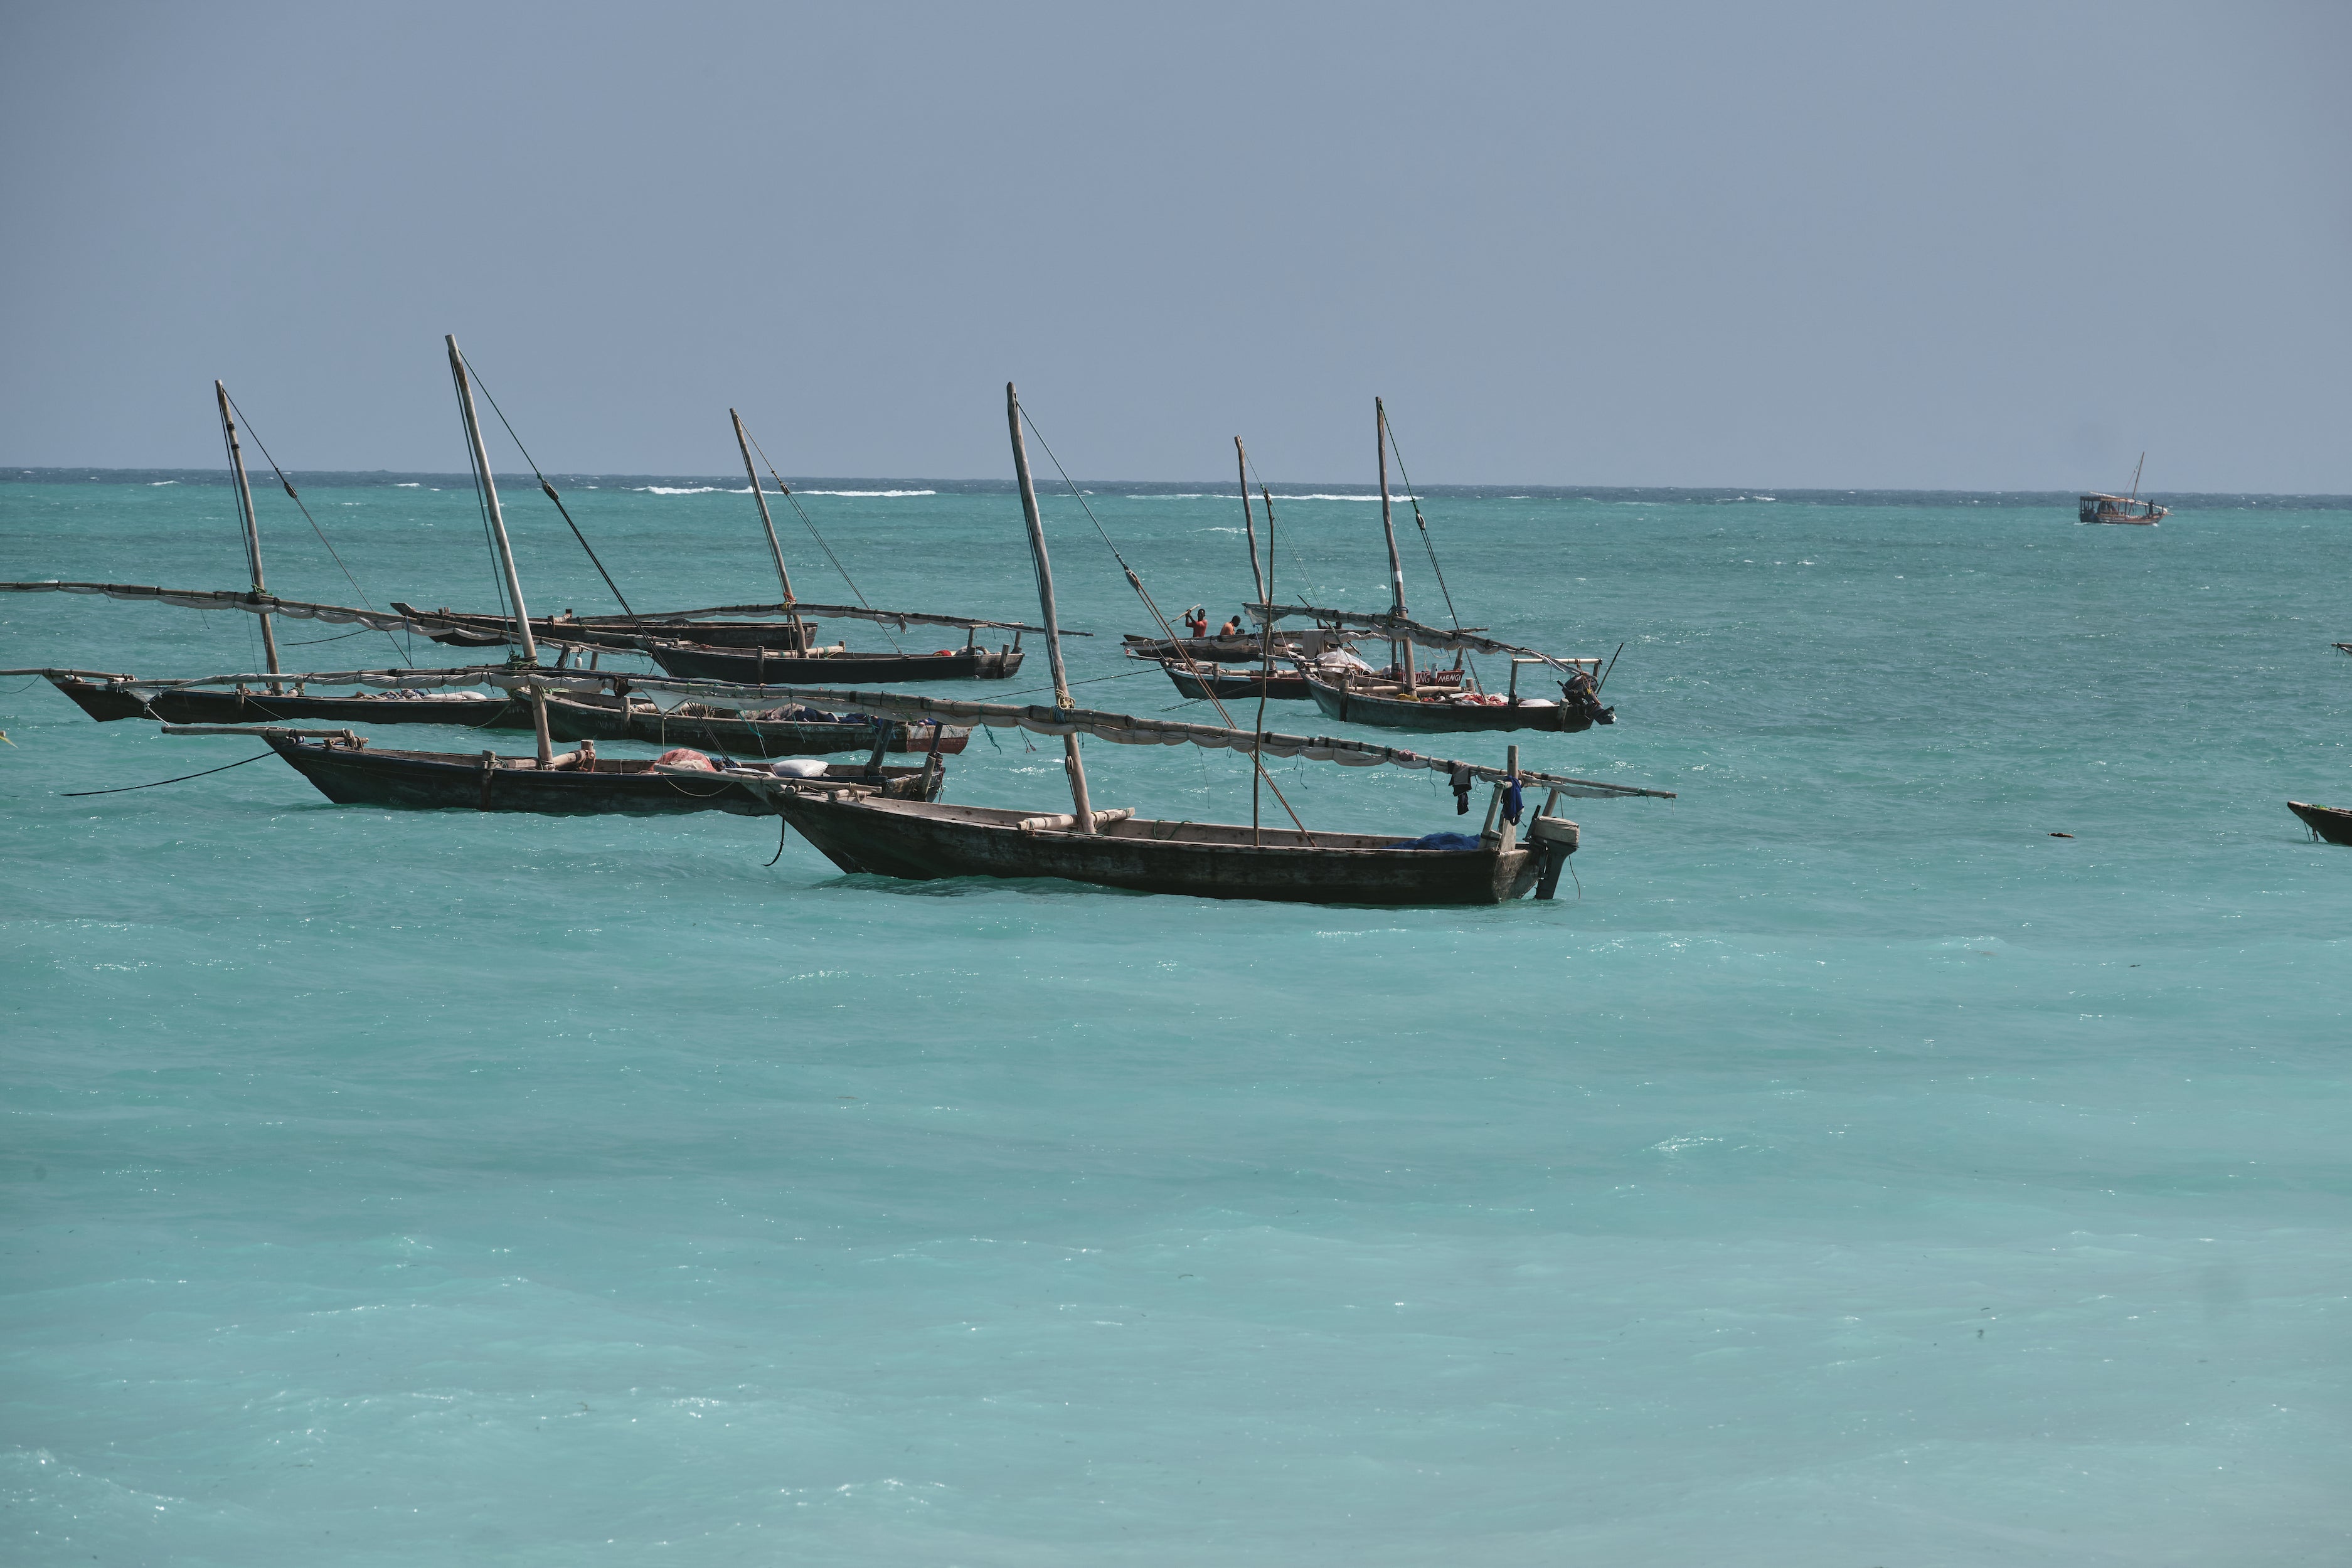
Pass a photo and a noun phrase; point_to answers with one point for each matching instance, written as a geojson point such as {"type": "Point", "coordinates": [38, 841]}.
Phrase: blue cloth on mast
{"type": "Point", "coordinates": [1511, 802]}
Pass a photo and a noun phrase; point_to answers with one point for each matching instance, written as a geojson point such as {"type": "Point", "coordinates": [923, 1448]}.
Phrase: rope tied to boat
{"type": "Point", "coordinates": [183, 779]}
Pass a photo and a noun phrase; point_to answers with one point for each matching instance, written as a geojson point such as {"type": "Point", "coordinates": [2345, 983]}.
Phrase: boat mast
{"type": "Point", "coordinates": [2136, 468]}
{"type": "Point", "coordinates": [1400, 652]}
{"type": "Point", "coordinates": [506, 552]}
{"type": "Point", "coordinates": [1071, 762]}
{"type": "Point", "coordinates": [252, 533]}
{"type": "Point", "coordinates": [776, 550]}
{"type": "Point", "coordinates": [1250, 528]}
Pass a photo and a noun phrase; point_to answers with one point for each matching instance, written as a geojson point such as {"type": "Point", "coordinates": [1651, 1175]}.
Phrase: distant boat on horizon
{"type": "Point", "coordinates": [2098, 507]}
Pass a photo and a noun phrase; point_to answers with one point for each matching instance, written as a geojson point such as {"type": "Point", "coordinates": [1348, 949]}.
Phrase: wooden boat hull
{"type": "Point", "coordinates": [568, 720]}
{"type": "Point", "coordinates": [468, 630]}
{"type": "Point", "coordinates": [1202, 860]}
{"type": "Point", "coordinates": [2327, 822]}
{"type": "Point", "coordinates": [759, 668]}
{"type": "Point", "coordinates": [448, 780]}
{"type": "Point", "coordinates": [1283, 685]}
{"type": "Point", "coordinates": [192, 705]}
{"type": "Point", "coordinates": [1358, 706]}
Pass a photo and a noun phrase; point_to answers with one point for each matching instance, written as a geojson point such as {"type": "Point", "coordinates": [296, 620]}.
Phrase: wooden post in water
{"type": "Point", "coordinates": [783, 578]}
{"type": "Point", "coordinates": [1071, 762]}
{"type": "Point", "coordinates": [505, 550]}
{"type": "Point", "coordinates": [252, 533]}
{"type": "Point", "coordinates": [1400, 650]}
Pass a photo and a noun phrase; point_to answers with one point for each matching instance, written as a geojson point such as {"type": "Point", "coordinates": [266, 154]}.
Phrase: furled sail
{"type": "Point", "coordinates": [421, 620]}
{"type": "Point", "coordinates": [235, 598]}
{"type": "Point", "coordinates": [902, 618]}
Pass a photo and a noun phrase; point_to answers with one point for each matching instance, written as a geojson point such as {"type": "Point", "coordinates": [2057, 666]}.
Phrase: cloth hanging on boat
{"type": "Point", "coordinates": [1511, 802]}
{"type": "Point", "coordinates": [1461, 790]}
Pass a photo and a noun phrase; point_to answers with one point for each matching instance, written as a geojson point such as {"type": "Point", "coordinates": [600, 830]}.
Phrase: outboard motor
{"type": "Point", "coordinates": [1582, 696]}
{"type": "Point", "coordinates": [1557, 837]}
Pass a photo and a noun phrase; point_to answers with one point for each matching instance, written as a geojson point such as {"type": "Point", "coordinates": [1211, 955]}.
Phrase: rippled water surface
{"type": "Point", "coordinates": [1853, 1173]}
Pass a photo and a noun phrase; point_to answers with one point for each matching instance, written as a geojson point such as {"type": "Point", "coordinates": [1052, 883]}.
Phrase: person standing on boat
{"type": "Point", "coordinates": [1196, 621]}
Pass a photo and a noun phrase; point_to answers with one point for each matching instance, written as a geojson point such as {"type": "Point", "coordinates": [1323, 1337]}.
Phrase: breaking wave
{"type": "Point", "coordinates": [866, 492]}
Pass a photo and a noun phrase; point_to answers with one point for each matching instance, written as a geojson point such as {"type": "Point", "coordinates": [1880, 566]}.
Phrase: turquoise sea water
{"type": "Point", "coordinates": [1853, 1173]}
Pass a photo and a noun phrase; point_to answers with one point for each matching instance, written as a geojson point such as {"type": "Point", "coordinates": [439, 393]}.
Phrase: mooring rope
{"type": "Point", "coordinates": [159, 783]}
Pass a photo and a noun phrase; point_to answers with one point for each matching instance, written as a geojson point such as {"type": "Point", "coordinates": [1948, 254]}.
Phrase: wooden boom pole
{"type": "Point", "coordinates": [1400, 652]}
{"type": "Point", "coordinates": [783, 578]}
{"type": "Point", "coordinates": [505, 550]}
{"type": "Point", "coordinates": [1071, 762]}
{"type": "Point", "coordinates": [252, 533]}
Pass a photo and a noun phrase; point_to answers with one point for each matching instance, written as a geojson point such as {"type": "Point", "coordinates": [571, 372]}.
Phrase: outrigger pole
{"type": "Point", "coordinates": [252, 532]}
{"type": "Point", "coordinates": [505, 550]}
{"type": "Point", "coordinates": [1071, 762]}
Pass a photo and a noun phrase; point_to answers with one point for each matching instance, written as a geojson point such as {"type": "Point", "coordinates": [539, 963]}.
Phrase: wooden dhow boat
{"type": "Point", "coordinates": [755, 730]}
{"type": "Point", "coordinates": [2328, 822]}
{"type": "Point", "coordinates": [108, 695]}
{"type": "Point", "coordinates": [860, 831]}
{"type": "Point", "coordinates": [2099, 507]}
{"type": "Point", "coordinates": [347, 770]}
{"type": "Point", "coordinates": [1406, 700]}
{"type": "Point", "coordinates": [755, 652]}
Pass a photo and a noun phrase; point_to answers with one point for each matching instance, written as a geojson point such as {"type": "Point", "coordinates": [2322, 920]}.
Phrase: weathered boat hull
{"type": "Point", "coordinates": [568, 720]}
{"type": "Point", "coordinates": [1202, 860]}
{"type": "Point", "coordinates": [194, 704]}
{"type": "Point", "coordinates": [471, 631]}
{"type": "Point", "coordinates": [758, 668]}
{"type": "Point", "coordinates": [1283, 685]}
{"type": "Point", "coordinates": [2327, 822]}
{"type": "Point", "coordinates": [2119, 509]}
{"type": "Point", "coordinates": [1358, 706]}
{"type": "Point", "coordinates": [443, 781]}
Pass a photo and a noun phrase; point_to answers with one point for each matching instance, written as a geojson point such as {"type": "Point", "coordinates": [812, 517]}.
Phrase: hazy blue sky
{"type": "Point", "coordinates": [1982, 245]}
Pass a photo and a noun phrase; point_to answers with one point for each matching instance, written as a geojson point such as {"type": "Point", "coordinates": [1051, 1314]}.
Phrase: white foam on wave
{"type": "Point", "coordinates": [152, 482]}
{"type": "Point", "coordinates": [690, 490]}
{"type": "Point", "coordinates": [866, 492]}
{"type": "Point", "coordinates": [1399, 496]}
{"type": "Point", "coordinates": [410, 484]}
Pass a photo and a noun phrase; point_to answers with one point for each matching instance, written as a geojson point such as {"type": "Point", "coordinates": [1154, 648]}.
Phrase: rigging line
{"type": "Point", "coordinates": [1413, 495]}
{"type": "Point", "coordinates": [159, 783]}
{"type": "Point", "coordinates": [1090, 680]}
{"type": "Point", "coordinates": [288, 485]}
{"type": "Point", "coordinates": [1167, 631]}
{"type": "Point", "coordinates": [338, 637]}
{"type": "Point", "coordinates": [549, 491]}
{"type": "Point", "coordinates": [810, 524]}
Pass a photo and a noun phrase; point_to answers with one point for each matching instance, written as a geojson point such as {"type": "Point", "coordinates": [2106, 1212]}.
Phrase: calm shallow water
{"type": "Point", "coordinates": [1855, 1173]}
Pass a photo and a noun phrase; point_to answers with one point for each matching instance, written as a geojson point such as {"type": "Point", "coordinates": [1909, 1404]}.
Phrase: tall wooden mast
{"type": "Point", "coordinates": [252, 533]}
{"type": "Point", "coordinates": [1250, 526]}
{"type": "Point", "coordinates": [1402, 651]}
{"type": "Point", "coordinates": [506, 552]}
{"type": "Point", "coordinates": [783, 578]}
{"type": "Point", "coordinates": [1071, 762]}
